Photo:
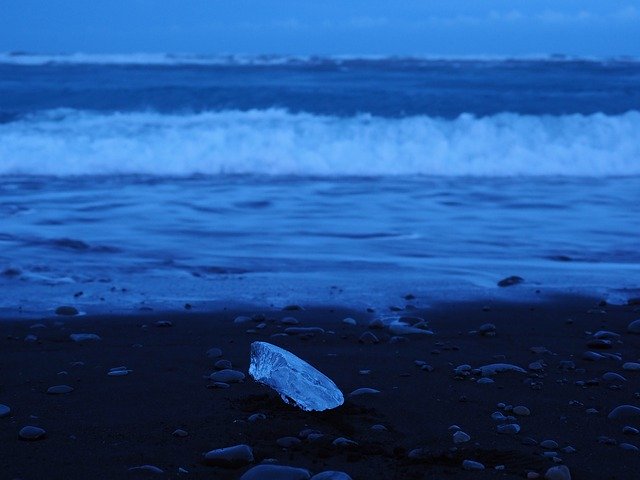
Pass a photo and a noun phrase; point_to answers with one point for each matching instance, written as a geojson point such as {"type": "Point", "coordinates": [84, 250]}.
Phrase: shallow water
{"type": "Point", "coordinates": [352, 181]}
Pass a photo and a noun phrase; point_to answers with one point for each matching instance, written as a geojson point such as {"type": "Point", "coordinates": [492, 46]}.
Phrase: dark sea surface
{"type": "Point", "coordinates": [156, 180]}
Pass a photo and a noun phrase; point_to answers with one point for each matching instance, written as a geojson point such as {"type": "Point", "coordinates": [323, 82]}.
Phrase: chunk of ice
{"type": "Point", "coordinates": [295, 380]}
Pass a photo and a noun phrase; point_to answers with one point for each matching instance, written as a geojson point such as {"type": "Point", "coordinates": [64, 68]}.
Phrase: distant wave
{"type": "Point", "coordinates": [151, 59]}
{"type": "Point", "coordinates": [276, 142]}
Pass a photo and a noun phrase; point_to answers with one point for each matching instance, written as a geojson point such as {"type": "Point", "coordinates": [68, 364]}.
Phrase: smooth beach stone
{"type": "Point", "coordinates": [222, 365]}
{"type": "Point", "coordinates": [560, 472]}
{"type": "Point", "coordinates": [485, 381]}
{"type": "Point", "coordinates": [628, 430]}
{"type": "Point", "coordinates": [295, 380]}
{"type": "Point", "coordinates": [521, 411]}
{"type": "Point", "coordinates": [471, 465]}
{"type": "Point", "coordinates": [349, 321]}
{"type": "Point", "coordinates": [400, 328]}
{"type": "Point", "coordinates": [368, 338]}
{"type": "Point", "coordinates": [508, 429]}
{"type": "Point", "coordinates": [536, 366]}
{"type": "Point", "coordinates": [378, 428]}
{"type": "Point", "coordinates": [623, 412]}
{"type": "Point", "coordinates": [331, 475]}
{"type": "Point", "coordinates": [5, 411]}
{"type": "Point", "coordinates": [31, 433]}
{"type": "Point", "coordinates": [304, 331]}
{"type": "Point", "coordinates": [592, 356]}
{"type": "Point", "coordinates": [229, 457]}
{"type": "Point", "coordinates": [256, 417]}
{"type": "Point", "coordinates": [606, 335]}
{"type": "Point", "coordinates": [600, 344]}
{"type": "Point", "coordinates": [163, 323]}
{"type": "Point", "coordinates": [289, 321]}
{"type": "Point", "coordinates": [59, 389]}
{"type": "Point", "coordinates": [460, 437]}
{"type": "Point", "coordinates": [344, 443]}
{"type": "Point", "coordinates": [66, 310]}
{"type": "Point", "coordinates": [84, 337]}
{"type": "Point", "coordinates": [275, 472]}
{"type": "Point", "coordinates": [214, 352]}
{"type": "Point", "coordinates": [509, 281]}
{"type": "Point", "coordinates": [146, 469]}
{"type": "Point", "coordinates": [364, 391]}
{"type": "Point", "coordinates": [119, 372]}
{"type": "Point", "coordinates": [549, 444]}
{"type": "Point", "coordinates": [241, 319]}
{"type": "Point", "coordinates": [376, 323]}
{"type": "Point", "coordinates": [629, 446]}
{"type": "Point", "coordinates": [634, 327]}
{"type": "Point", "coordinates": [288, 442]}
{"type": "Point", "coordinates": [31, 338]}
{"type": "Point", "coordinates": [227, 376]}
{"type": "Point", "coordinates": [631, 366]}
{"type": "Point", "coordinates": [487, 329]}
{"type": "Point", "coordinates": [180, 433]}
{"type": "Point", "coordinates": [494, 368]}
{"type": "Point", "coordinates": [612, 377]}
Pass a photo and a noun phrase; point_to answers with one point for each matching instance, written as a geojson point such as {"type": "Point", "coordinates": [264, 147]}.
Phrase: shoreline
{"type": "Point", "coordinates": [109, 424]}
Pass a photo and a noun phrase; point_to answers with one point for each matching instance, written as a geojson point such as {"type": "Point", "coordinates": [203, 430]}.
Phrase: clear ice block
{"type": "Point", "coordinates": [295, 380]}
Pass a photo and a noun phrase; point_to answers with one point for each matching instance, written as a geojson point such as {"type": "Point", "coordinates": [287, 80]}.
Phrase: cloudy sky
{"type": "Point", "coordinates": [445, 27]}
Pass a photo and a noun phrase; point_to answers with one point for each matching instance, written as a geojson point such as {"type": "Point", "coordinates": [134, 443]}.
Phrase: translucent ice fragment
{"type": "Point", "coordinates": [295, 380]}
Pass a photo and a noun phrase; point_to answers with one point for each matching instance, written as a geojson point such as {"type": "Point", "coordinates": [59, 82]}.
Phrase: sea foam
{"type": "Point", "coordinates": [276, 142]}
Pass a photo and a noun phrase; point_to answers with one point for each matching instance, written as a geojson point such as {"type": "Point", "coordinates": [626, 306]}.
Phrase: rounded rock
{"type": "Point", "coordinates": [471, 465]}
{"type": "Point", "coordinates": [59, 390]}
{"type": "Point", "coordinates": [331, 475]}
{"type": "Point", "coordinates": [229, 457]}
{"type": "Point", "coordinates": [275, 472]}
{"type": "Point", "coordinates": [508, 429]}
{"type": "Point", "coordinates": [522, 411]}
{"type": "Point", "coordinates": [631, 366]}
{"type": "Point", "coordinates": [623, 412]}
{"type": "Point", "coordinates": [5, 411]}
{"type": "Point", "coordinates": [223, 365]}
{"type": "Point", "coordinates": [67, 310]}
{"type": "Point", "coordinates": [31, 433]}
{"type": "Point", "coordinates": [460, 437]}
{"type": "Point", "coordinates": [549, 444]}
{"type": "Point", "coordinates": [634, 327]}
{"type": "Point", "coordinates": [288, 442]}
{"type": "Point", "coordinates": [214, 352]}
{"type": "Point", "coordinates": [560, 472]}
{"type": "Point", "coordinates": [227, 376]}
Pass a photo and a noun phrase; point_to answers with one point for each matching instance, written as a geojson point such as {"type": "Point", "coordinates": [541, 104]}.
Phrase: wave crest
{"type": "Point", "coordinates": [276, 142]}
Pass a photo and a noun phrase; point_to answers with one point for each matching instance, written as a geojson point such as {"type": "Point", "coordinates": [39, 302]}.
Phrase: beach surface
{"type": "Point", "coordinates": [166, 411]}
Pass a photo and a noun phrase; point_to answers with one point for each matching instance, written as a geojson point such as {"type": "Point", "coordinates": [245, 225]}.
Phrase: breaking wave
{"type": "Point", "coordinates": [276, 142]}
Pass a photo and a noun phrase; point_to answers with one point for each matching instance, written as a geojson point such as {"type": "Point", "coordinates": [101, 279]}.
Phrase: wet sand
{"type": "Point", "coordinates": [109, 424]}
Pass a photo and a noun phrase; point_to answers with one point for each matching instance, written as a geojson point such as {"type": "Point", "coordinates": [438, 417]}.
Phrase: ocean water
{"type": "Point", "coordinates": [156, 180]}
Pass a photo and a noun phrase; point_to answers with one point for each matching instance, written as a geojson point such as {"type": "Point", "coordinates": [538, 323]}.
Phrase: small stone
{"type": "Point", "coordinates": [222, 365]}
{"type": "Point", "coordinates": [368, 338]}
{"type": "Point", "coordinates": [241, 319]}
{"type": "Point", "coordinates": [349, 321]}
{"type": "Point", "coordinates": [146, 469]}
{"type": "Point", "coordinates": [31, 338]}
{"type": "Point", "coordinates": [227, 376]}
{"type": "Point", "coordinates": [508, 429]}
{"type": "Point", "coordinates": [66, 310]}
{"type": "Point", "coordinates": [288, 442]}
{"type": "Point", "coordinates": [592, 356]}
{"type": "Point", "coordinates": [229, 457]}
{"type": "Point", "coordinates": [627, 430]}
{"type": "Point", "coordinates": [471, 465]}
{"type": "Point", "coordinates": [257, 417]}
{"type": "Point", "coordinates": [289, 321]}
{"type": "Point", "coordinates": [331, 475]}
{"type": "Point", "coordinates": [364, 391]}
{"type": "Point", "coordinates": [600, 344]}
{"type": "Point", "coordinates": [560, 472]}
{"type": "Point", "coordinates": [378, 428]}
{"type": "Point", "coordinates": [521, 411]}
{"type": "Point", "coordinates": [275, 472]}
{"type": "Point", "coordinates": [549, 444]}
{"type": "Point", "coordinates": [623, 412]}
{"type": "Point", "coordinates": [509, 281]}
{"type": "Point", "coordinates": [5, 411]}
{"type": "Point", "coordinates": [218, 385]}
{"type": "Point", "coordinates": [536, 366]}
{"type": "Point", "coordinates": [84, 337]}
{"type": "Point", "coordinates": [487, 329]}
{"type": "Point", "coordinates": [376, 323]}
{"type": "Point", "coordinates": [485, 380]}
{"type": "Point", "coordinates": [460, 437]}
{"type": "Point", "coordinates": [59, 390]}
{"type": "Point", "coordinates": [180, 433]}
{"type": "Point", "coordinates": [612, 377]}
{"type": "Point", "coordinates": [606, 335]}
{"type": "Point", "coordinates": [30, 433]}
{"type": "Point", "coordinates": [631, 366]}
{"type": "Point", "coordinates": [164, 323]}
{"type": "Point", "coordinates": [634, 327]}
{"type": "Point", "coordinates": [214, 352]}
{"type": "Point", "coordinates": [629, 446]}
{"type": "Point", "coordinates": [344, 443]}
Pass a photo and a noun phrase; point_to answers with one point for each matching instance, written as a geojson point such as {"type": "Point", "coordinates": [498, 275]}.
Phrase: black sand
{"type": "Point", "coordinates": [110, 424]}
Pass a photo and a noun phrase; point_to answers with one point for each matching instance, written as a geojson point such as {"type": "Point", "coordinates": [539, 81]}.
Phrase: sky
{"type": "Point", "coordinates": [398, 27]}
